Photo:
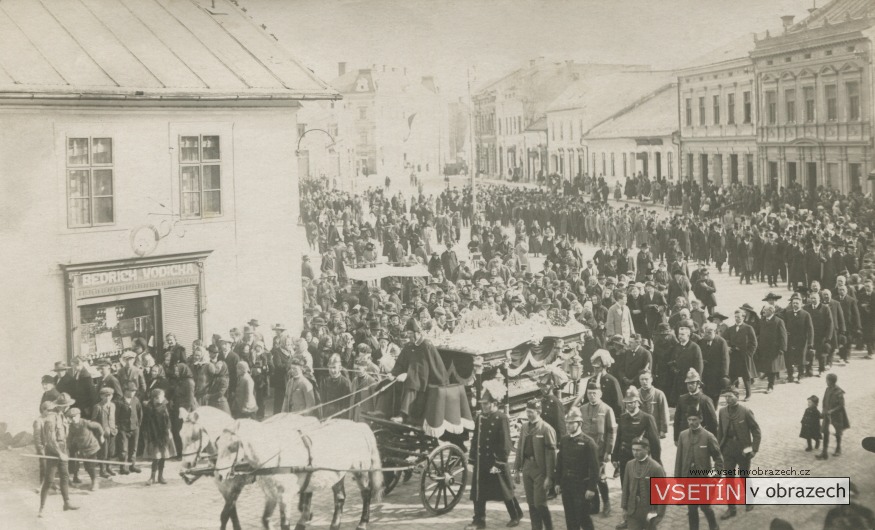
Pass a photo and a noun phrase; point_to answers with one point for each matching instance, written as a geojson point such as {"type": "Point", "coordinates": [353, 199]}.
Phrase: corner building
{"type": "Point", "coordinates": [150, 180]}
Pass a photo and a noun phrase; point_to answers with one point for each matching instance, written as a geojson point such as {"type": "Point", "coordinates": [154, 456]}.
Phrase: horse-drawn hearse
{"type": "Point", "coordinates": [290, 455]}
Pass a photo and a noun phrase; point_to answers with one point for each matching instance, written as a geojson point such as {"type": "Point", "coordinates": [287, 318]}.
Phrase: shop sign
{"type": "Point", "coordinates": [90, 284]}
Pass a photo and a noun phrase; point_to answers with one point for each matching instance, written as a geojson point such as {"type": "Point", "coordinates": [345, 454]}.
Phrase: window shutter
{"type": "Point", "coordinates": [181, 315]}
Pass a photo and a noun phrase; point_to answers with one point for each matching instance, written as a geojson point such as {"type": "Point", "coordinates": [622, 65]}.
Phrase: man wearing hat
{"type": "Point", "coordinates": [218, 379]}
{"type": "Point", "coordinates": [131, 373]}
{"type": "Point", "coordinates": [107, 379]}
{"type": "Point", "coordinates": [50, 393]}
{"type": "Point", "coordinates": [771, 300]}
{"type": "Point", "coordinates": [83, 442]}
{"type": "Point", "coordinates": [824, 328]}
{"type": "Point", "coordinates": [600, 424]}
{"type": "Point", "coordinates": [577, 473]}
{"type": "Point", "coordinates": [418, 366]}
{"type": "Point", "coordinates": [490, 450]}
{"type": "Point", "coordinates": [800, 337]}
{"type": "Point", "coordinates": [104, 414]}
{"type": "Point", "coordinates": [334, 388]}
{"type": "Point", "coordinates": [552, 410]}
{"type": "Point", "coordinates": [83, 391]}
{"type": "Point", "coordinates": [637, 509]}
{"type": "Point", "coordinates": [715, 361]}
{"type": "Point", "coordinates": [634, 423]}
{"type": "Point", "coordinates": [772, 346]}
{"type": "Point", "coordinates": [686, 355]}
{"type": "Point", "coordinates": [698, 450]}
{"type": "Point", "coordinates": [738, 434]}
{"type": "Point", "coordinates": [851, 312]}
{"type": "Point", "coordinates": [742, 341]}
{"type": "Point", "coordinates": [694, 400]}
{"type": "Point", "coordinates": [536, 464]}
{"type": "Point", "coordinates": [129, 417]}
{"type": "Point", "coordinates": [654, 306]}
{"type": "Point", "coordinates": [54, 438]}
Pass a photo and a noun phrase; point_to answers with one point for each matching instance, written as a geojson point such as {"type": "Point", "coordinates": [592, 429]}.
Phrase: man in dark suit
{"type": "Point", "coordinates": [686, 356]}
{"type": "Point", "coordinates": [635, 359]}
{"type": "Point", "coordinates": [715, 357]}
{"type": "Point", "coordinates": [852, 321]}
{"type": "Point", "coordinates": [577, 473]}
{"type": "Point", "coordinates": [800, 336]}
{"type": "Point", "coordinates": [839, 328]}
{"type": "Point", "coordinates": [772, 345]}
{"type": "Point", "coordinates": [823, 325]}
{"type": "Point", "coordinates": [738, 434]}
{"type": "Point", "coordinates": [450, 262]}
{"type": "Point", "coordinates": [85, 393]}
{"type": "Point", "coordinates": [742, 342]}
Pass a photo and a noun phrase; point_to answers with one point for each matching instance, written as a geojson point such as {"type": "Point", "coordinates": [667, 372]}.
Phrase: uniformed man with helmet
{"type": "Point", "coordinates": [490, 449]}
{"type": "Point", "coordinates": [633, 424]}
{"type": "Point", "coordinates": [577, 473]}
{"type": "Point", "coordinates": [695, 399]}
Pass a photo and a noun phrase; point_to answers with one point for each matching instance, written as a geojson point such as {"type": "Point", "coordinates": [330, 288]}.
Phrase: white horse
{"type": "Point", "coordinates": [200, 429]}
{"type": "Point", "coordinates": [334, 448]}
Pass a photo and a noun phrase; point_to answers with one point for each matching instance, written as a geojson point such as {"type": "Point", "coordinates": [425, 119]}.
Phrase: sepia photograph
{"type": "Point", "coordinates": [437, 264]}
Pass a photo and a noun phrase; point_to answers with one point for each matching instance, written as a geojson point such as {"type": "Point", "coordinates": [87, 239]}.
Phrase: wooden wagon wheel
{"type": "Point", "coordinates": [390, 478]}
{"type": "Point", "coordinates": [443, 479]}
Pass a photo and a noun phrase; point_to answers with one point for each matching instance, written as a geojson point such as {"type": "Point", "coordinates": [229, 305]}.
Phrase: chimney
{"type": "Point", "coordinates": [341, 69]}
{"type": "Point", "coordinates": [787, 20]}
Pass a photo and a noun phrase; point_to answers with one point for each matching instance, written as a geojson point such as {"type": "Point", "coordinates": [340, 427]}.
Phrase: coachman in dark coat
{"type": "Point", "coordinates": [490, 450]}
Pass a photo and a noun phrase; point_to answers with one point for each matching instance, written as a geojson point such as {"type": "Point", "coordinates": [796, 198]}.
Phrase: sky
{"type": "Point", "coordinates": [490, 38]}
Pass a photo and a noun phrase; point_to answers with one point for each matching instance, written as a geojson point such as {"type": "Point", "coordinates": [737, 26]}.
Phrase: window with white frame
{"type": "Point", "coordinates": [200, 176]}
{"type": "Point", "coordinates": [89, 182]}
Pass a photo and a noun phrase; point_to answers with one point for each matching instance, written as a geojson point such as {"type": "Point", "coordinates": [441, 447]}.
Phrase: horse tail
{"type": "Point", "coordinates": [375, 478]}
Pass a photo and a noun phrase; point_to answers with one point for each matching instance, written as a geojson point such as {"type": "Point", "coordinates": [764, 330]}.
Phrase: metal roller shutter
{"type": "Point", "coordinates": [181, 315]}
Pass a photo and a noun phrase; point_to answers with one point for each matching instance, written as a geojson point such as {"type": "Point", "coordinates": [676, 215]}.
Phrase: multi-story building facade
{"type": "Point", "coordinates": [815, 98]}
{"type": "Point", "coordinates": [325, 149]}
{"type": "Point", "coordinates": [718, 116]}
{"type": "Point", "coordinates": [505, 109]}
{"type": "Point", "coordinates": [399, 123]}
{"type": "Point", "coordinates": [147, 184]}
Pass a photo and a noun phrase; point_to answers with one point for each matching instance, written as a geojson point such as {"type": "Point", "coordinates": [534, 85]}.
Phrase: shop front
{"type": "Point", "coordinates": [111, 306]}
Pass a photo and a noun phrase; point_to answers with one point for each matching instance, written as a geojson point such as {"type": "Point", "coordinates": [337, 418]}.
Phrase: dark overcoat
{"type": "Point", "coordinates": [491, 447]}
{"type": "Point", "coordinates": [742, 347]}
{"type": "Point", "coordinates": [772, 345]}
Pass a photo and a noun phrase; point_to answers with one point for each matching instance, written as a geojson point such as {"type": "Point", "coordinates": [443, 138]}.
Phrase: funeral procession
{"type": "Point", "coordinates": [433, 264]}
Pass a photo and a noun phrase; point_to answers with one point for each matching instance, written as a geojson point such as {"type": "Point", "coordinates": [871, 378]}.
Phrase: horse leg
{"type": "Point", "coordinates": [305, 507]}
{"type": "Point", "coordinates": [366, 501]}
{"type": "Point", "coordinates": [236, 490]}
{"type": "Point", "coordinates": [270, 503]}
{"type": "Point", "coordinates": [339, 499]}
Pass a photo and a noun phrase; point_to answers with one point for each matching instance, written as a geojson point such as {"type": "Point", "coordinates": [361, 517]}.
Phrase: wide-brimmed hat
{"type": "Point", "coordinates": [747, 307]}
{"type": "Point", "coordinates": [63, 400]}
{"type": "Point", "coordinates": [772, 296]}
{"type": "Point", "coordinates": [717, 316]}
{"type": "Point", "coordinates": [60, 366]}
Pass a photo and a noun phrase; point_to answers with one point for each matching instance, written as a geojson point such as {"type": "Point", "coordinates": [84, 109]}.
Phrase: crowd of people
{"type": "Point", "coordinates": [654, 339]}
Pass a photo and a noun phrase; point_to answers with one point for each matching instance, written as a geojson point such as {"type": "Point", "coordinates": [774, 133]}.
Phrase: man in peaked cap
{"type": "Point", "coordinates": [490, 450]}
{"type": "Point", "coordinates": [694, 400]}
{"type": "Point", "coordinates": [599, 423]}
{"type": "Point", "coordinates": [536, 464]}
{"type": "Point", "coordinates": [636, 488]}
{"type": "Point", "coordinates": [577, 473]}
{"type": "Point", "coordinates": [738, 435]}
{"type": "Point", "coordinates": [691, 457]}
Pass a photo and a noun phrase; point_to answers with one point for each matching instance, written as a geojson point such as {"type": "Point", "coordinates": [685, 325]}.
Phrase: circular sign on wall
{"type": "Point", "coordinates": [144, 240]}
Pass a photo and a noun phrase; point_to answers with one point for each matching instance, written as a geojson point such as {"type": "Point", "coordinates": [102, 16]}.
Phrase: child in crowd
{"type": "Point", "coordinates": [156, 432]}
{"type": "Point", "coordinates": [104, 414]}
{"type": "Point", "coordinates": [83, 441]}
{"type": "Point", "coordinates": [811, 423]}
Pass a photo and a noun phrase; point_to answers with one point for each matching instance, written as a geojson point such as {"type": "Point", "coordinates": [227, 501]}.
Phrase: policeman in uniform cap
{"type": "Point", "coordinates": [640, 514]}
{"type": "Point", "coordinates": [698, 452]}
{"type": "Point", "coordinates": [695, 399]}
{"type": "Point", "coordinates": [599, 423]}
{"type": "Point", "coordinates": [490, 450]}
{"type": "Point", "coordinates": [536, 463]}
{"type": "Point", "coordinates": [577, 473]}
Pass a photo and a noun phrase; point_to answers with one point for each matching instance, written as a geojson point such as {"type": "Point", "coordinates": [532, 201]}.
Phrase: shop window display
{"type": "Point", "coordinates": [108, 328]}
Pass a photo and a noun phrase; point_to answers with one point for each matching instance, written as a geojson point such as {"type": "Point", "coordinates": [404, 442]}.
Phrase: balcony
{"type": "Point", "coordinates": [853, 132]}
